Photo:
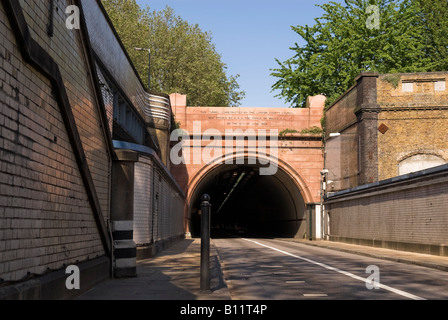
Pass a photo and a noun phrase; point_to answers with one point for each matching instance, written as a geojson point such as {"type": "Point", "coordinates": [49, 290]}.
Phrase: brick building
{"type": "Point", "coordinates": [386, 125]}
{"type": "Point", "coordinates": [386, 152]}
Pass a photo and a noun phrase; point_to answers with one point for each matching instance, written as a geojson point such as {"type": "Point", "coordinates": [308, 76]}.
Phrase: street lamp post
{"type": "Point", "coordinates": [149, 64]}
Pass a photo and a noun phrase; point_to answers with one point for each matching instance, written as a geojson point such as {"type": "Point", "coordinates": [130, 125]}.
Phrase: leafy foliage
{"type": "Point", "coordinates": [392, 79]}
{"type": "Point", "coordinates": [312, 130]}
{"type": "Point", "coordinates": [434, 18]}
{"type": "Point", "coordinates": [341, 45]}
{"type": "Point", "coordinates": [183, 57]}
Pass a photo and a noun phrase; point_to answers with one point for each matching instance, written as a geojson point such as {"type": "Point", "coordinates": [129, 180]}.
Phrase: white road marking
{"type": "Point", "coordinates": [351, 275]}
{"type": "Point", "coordinates": [312, 295]}
{"type": "Point", "coordinates": [267, 266]}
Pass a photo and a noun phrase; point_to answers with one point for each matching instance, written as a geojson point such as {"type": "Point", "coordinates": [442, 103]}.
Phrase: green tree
{"type": "Point", "coordinates": [183, 57]}
{"type": "Point", "coordinates": [434, 17]}
{"type": "Point", "coordinates": [131, 23]}
{"type": "Point", "coordinates": [344, 42]}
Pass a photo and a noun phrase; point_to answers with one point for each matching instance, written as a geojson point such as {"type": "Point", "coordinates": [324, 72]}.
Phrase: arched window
{"type": "Point", "coordinates": [419, 162]}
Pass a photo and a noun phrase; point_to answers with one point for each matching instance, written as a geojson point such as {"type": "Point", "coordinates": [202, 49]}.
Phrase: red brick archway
{"type": "Point", "coordinates": [299, 155]}
{"type": "Point", "coordinates": [294, 180]}
{"type": "Point", "coordinates": [281, 164]}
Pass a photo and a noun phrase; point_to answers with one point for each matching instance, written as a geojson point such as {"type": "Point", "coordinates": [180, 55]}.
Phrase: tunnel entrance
{"type": "Point", "coordinates": [249, 204]}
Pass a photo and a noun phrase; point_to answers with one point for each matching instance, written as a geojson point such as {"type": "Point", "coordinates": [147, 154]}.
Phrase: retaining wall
{"type": "Point", "coordinates": [408, 212]}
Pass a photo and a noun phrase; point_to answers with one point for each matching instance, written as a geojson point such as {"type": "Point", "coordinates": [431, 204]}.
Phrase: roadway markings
{"type": "Point", "coordinates": [348, 274]}
{"type": "Point", "coordinates": [315, 295]}
{"type": "Point", "coordinates": [267, 266]}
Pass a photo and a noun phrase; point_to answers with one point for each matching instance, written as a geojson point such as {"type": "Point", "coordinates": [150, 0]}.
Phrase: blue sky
{"type": "Point", "coordinates": [249, 35]}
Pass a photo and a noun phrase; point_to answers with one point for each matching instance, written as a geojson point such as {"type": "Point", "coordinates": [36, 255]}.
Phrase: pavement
{"type": "Point", "coordinates": [174, 274]}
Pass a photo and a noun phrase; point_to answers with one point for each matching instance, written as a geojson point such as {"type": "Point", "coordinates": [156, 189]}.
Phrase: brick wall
{"type": "Point", "coordinates": [302, 152]}
{"type": "Point", "coordinates": [340, 115]}
{"type": "Point", "coordinates": [351, 156]}
{"type": "Point", "coordinates": [341, 152]}
{"type": "Point", "coordinates": [66, 48]}
{"type": "Point", "coordinates": [406, 213]}
{"type": "Point", "coordinates": [342, 160]}
{"type": "Point", "coordinates": [46, 219]}
{"type": "Point", "coordinates": [383, 120]}
{"type": "Point", "coordinates": [415, 117]}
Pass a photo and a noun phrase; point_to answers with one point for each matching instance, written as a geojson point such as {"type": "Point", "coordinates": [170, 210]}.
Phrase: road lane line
{"type": "Point", "coordinates": [351, 275]}
{"type": "Point", "coordinates": [266, 266]}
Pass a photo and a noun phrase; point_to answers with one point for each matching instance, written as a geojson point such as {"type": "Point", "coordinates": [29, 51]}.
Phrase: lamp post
{"type": "Point", "coordinates": [149, 64]}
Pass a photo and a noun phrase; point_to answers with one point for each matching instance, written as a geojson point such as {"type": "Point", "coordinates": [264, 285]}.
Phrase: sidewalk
{"type": "Point", "coordinates": [174, 274]}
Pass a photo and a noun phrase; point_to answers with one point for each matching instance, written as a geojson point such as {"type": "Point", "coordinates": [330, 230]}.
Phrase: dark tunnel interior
{"type": "Point", "coordinates": [249, 204]}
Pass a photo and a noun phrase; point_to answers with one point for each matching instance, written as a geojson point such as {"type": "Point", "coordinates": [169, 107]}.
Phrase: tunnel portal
{"type": "Point", "coordinates": [249, 204]}
{"type": "Point", "coordinates": [242, 198]}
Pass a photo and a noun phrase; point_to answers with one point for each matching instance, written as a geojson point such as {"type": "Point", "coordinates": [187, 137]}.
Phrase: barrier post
{"type": "Point", "coordinates": [205, 242]}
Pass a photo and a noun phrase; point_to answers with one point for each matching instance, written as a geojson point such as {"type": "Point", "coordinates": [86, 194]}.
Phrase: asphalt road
{"type": "Point", "coordinates": [272, 269]}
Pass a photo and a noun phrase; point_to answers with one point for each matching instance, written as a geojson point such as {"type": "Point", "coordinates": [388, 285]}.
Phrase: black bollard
{"type": "Point", "coordinates": [205, 242]}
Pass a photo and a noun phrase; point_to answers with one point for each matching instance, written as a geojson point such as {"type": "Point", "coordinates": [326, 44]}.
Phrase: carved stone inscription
{"type": "Point", "coordinates": [247, 117]}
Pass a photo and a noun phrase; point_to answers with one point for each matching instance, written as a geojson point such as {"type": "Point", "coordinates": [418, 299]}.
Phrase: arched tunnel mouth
{"type": "Point", "coordinates": [246, 203]}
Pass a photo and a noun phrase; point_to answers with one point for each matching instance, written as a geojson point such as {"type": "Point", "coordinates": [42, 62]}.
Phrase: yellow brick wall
{"type": "Point", "coordinates": [66, 48]}
{"type": "Point", "coordinates": [417, 121]}
{"type": "Point", "coordinates": [46, 220]}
